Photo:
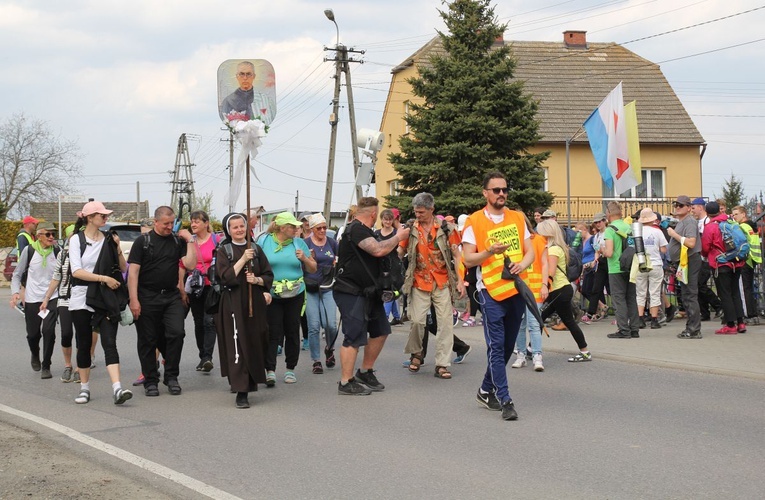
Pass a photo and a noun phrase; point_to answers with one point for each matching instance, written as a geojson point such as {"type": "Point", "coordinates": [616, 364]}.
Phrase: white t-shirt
{"type": "Point", "coordinates": [653, 240]}
{"type": "Point", "coordinates": [468, 236]}
{"type": "Point", "coordinates": [86, 261]}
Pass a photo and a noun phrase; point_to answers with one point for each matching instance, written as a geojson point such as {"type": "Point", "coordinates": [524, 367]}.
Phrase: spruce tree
{"type": "Point", "coordinates": [473, 119]}
{"type": "Point", "coordinates": [733, 192]}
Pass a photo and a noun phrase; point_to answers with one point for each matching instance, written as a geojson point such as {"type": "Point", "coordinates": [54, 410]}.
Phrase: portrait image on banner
{"type": "Point", "coordinates": [246, 90]}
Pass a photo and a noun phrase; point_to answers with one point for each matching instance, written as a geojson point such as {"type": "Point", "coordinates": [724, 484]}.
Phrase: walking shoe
{"type": "Point", "coordinates": [352, 388]}
{"type": "Point", "coordinates": [581, 357]}
{"type": "Point", "coordinates": [122, 395]}
{"type": "Point", "coordinates": [470, 322]}
{"type": "Point", "coordinates": [304, 346]}
{"type": "Point", "coordinates": [455, 317]}
{"type": "Point", "coordinates": [173, 386]}
{"type": "Point", "coordinates": [520, 360]}
{"type": "Point", "coordinates": [35, 362]}
{"type": "Point", "coordinates": [619, 335]}
{"type": "Point", "coordinates": [45, 373]}
{"type": "Point", "coordinates": [151, 390]}
{"type": "Point", "coordinates": [754, 320]}
{"type": "Point", "coordinates": [635, 335]}
{"type": "Point", "coordinates": [727, 330]}
{"type": "Point", "coordinates": [465, 316]}
{"type": "Point", "coordinates": [538, 366]}
{"type": "Point", "coordinates": [66, 377]}
{"type": "Point", "coordinates": [317, 369]}
{"type": "Point", "coordinates": [508, 411]}
{"type": "Point", "coordinates": [479, 322]}
{"type": "Point", "coordinates": [741, 328]}
{"type": "Point", "coordinates": [270, 378]}
{"type": "Point", "coordinates": [488, 399]}
{"type": "Point", "coordinates": [76, 377]}
{"type": "Point", "coordinates": [685, 334]}
{"type": "Point", "coordinates": [207, 365]}
{"type": "Point", "coordinates": [83, 397]}
{"type": "Point", "coordinates": [330, 355]}
{"type": "Point", "coordinates": [289, 377]}
{"type": "Point", "coordinates": [369, 379]}
{"type": "Point", "coordinates": [396, 322]}
{"type": "Point", "coordinates": [199, 366]}
{"type": "Point", "coordinates": [241, 401]}
{"type": "Point", "coordinates": [278, 350]}
{"type": "Point", "coordinates": [670, 312]}
{"type": "Point", "coordinates": [139, 381]}
{"type": "Point", "coordinates": [586, 319]}
{"type": "Point", "coordinates": [655, 324]}
{"type": "Point", "coordinates": [461, 357]}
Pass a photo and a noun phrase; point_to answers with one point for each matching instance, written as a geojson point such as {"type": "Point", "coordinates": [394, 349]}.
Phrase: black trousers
{"type": "Point", "coordinates": [67, 327]}
{"type": "Point", "coordinates": [559, 301]}
{"type": "Point", "coordinates": [747, 280]}
{"type": "Point", "coordinates": [707, 298]}
{"type": "Point", "coordinates": [83, 331]}
{"type": "Point", "coordinates": [204, 325]}
{"type": "Point", "coordinates": [726, 280]}
{"type": "Point", "coordinates": [284, 326]}
{"type": "Point", "coordinates": [599, 281]}
{"type": "Point", "coordinates": [459, 347]}
{"type": "Point", "coordinates": [38, 328]}
{"type": "Point", "coordinates": [160, 326]}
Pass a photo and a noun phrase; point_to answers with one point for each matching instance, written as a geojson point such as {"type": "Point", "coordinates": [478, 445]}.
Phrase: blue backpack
{"type": "Point", "coordinates": [735, 242]}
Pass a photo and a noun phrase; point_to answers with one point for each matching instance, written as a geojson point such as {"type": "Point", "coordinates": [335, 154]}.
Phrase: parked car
{"type": "Point", "coordinates": [127, 234]}
{"type": "Point", "coordinates": [10, 264]}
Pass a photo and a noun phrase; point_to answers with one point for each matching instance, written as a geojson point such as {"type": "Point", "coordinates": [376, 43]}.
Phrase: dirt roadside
{"type": "Point", "coordinates": [32, 466]}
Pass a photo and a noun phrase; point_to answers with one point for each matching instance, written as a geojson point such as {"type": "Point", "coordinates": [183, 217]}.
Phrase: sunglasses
{"type": "Point", "coordinates": [678, 205]}
{"type": "Point", "coordinates": [49, 235]}
{"type": "Point", "coordinates": [320, 228]}
{"type": "Point", "coordinates": [499, 190]}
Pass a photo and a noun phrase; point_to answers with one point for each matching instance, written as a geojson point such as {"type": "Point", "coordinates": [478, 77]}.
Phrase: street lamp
{"type": "Point", "coordinates": [331, 16]}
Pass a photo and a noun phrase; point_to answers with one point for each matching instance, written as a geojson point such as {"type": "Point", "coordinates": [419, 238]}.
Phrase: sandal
{"type": "Point", "coordinates": [442, 372]}
{"type": "Point", "coordinates": [83, 397]}
{"type": "Point", "coordinates": [415, 361]}
{"type": "Point", "coordinates": [582, 356]}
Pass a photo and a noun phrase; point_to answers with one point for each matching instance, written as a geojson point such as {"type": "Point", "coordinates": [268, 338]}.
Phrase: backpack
{"type": "Point", "coordinates": [212, 300]}
{"type": "Point", "coordinates": [628, 252]}
{"type": "Point", "coordinates": [735, 242]}
{"type": "Point", "coordinates": [574, 266]}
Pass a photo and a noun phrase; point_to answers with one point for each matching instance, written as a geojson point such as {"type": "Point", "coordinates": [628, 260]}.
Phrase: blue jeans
{"type": "Point", "coordinates": [535, 332]}
{"type": "Point", "coordinates": [321, 312]}
{"type": "Point", "coordinates": [392, 306]}
{"type": "Point", "coordinates": [500, 328]}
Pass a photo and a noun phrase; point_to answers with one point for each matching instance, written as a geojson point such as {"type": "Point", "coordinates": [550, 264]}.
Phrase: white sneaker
{"type": "Point", "coordinates": [538, 366]}
{"type": "Point", "coordinates": [520, 360]}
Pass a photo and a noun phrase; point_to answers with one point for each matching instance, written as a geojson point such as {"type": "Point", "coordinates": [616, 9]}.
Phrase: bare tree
{"type": "Point", "coordinates": [35, 164]}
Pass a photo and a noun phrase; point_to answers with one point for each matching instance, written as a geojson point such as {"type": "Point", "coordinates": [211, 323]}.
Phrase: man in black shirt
{"type": "Point", "coordinates": [155, 300]}
{"type": "Point", "coordinates": [358, 298]}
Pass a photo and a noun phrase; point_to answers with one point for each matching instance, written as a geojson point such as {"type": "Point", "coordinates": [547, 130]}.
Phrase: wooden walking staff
{"type": "Point", "coordinates": [251, 265]}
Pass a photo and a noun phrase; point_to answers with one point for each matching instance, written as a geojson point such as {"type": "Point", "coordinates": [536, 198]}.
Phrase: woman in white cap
{"type": "Point", "coordinates": [98, 293]}
{"type": "Point", "coordinates": [320, 308]}
{"type": "Point", "coordinates": [649, 284]}
{"type": "Point", "coordinates": [289, 257]}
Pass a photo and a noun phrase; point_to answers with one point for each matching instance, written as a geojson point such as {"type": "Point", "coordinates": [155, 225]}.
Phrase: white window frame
{"type": "Point", "coordinates": [632, 193]}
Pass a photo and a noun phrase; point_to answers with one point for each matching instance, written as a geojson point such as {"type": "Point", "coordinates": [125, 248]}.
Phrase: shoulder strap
{"type": "Point", "coordinates": [364, 264]}
{"type": "Point", "coordinates": [83, 242]}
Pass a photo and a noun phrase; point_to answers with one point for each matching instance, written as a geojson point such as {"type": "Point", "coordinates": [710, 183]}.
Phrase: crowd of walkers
{"type": "Point", "coordinates": [250, 293]}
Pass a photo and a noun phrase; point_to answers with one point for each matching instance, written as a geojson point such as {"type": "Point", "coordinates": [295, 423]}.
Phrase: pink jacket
{"type": "Point", "coordinates": [712, 243]}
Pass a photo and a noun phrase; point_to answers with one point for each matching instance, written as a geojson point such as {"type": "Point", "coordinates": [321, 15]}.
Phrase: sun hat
{"type": "Point", "coordinates": [315, 220]}
{"type": "Point", "coordinates": [549, 214]}
{"type": "Point", "coordinates": [647, 216]}
{"type": "Point", "coordinates": [287, 218]}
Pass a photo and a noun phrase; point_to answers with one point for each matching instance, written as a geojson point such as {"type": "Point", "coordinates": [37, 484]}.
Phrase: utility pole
{"type": "Point", "coordinates": [183, 181]}
{"type": "Point", "coordinates": [230, 141]}
{"type": "Point", "coordinates": [342, 66]}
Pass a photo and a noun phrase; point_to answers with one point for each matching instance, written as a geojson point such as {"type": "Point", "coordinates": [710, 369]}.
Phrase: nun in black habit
{"type": "Point", "coordinates": [242, 340]}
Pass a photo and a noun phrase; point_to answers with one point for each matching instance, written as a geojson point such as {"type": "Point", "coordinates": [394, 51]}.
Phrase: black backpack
{"type": "Point", "coordinates": [574, 266]}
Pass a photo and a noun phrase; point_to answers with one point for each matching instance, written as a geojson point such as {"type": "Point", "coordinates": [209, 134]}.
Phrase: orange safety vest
{"type": "Point", "coordinates": [534, 271]}
{"type": "Point", "coordinates": [508, 232]}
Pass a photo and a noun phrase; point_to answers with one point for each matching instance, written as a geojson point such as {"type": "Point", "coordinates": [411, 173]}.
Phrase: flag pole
{"type": "Point", "coordinates": [568, 171]}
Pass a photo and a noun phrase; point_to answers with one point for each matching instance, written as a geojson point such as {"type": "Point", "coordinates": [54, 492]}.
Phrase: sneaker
{"type": "Point", "coordinates": [317, 369]}
{"type": "Point", "coordinates": [305, 345]}
{"type": "Point", "coordinates": [479, 322]}
{"type": "Point", "coordinates": [586, 319]}
{"type": "Point", "coordinates": [278, 350]}
{"type": "Point", "coordinates": [241, 400]}
{"type": "Point", "coordinates": [670, 312]}
{"type": "Point", "coordinates": [741, 328]}
{"type": "Point", "coordinates": [330, 357]}
{"type": "Point", "coordinates": [642, 323]}
{"type": "Point", "coordinates": [619, 335]}
{"type": "Point", "coordinates": [368, 379]}
{"type": "Point", "coordinates": [469, 322]}
{"type": "Point", "coordinates": [352, 388]}
{"type": "Point", "coordinates": [655, 324]}
{"type": "Point", "coordinates": [35, 362]}
{"type": "Point", "coordinates": [635, 335]}
{"type": "Point", "coordinates": [488, 399]}
{"type": "Point", "coordinates": [727, 330]}
{"type": "Point", "coordinates": [66, 377]}
{"type": "Point", "coordinates": [581, 357]}
{"type": "Point", "coordinates": [93, 363]}
{"type": "Point", "coordinates": [465, 316]}
{"type": "Point", "coordinates": [270, 378]}
{"type": "Point", "coordinates": [289, 377]}
{"type": "Point", "coordinates": [461, 357]}
{"type": "Point", "coordinates": [685, 334]}
{"type": "Point", "coordinates": [508, 411]}
{"type": "Point", "coordinates": [396, 322]}
{"type": "Point", "coordinates": [538, 366]}
{"type": "Point", "coordinates": [83, 397]}
{"type": "Point", "coordinates": [199, 366]}
{"type": "Point", "coordinates": [207, 365]}
{"type": "Point", "coordinates": [754, 320]}
{"type": "Point", "coordinates": [520, 360]}
{"type": "Point", "coordinates": [455, 317]}
{"type": "Point", "coordinates": [76, 377]}
{"type": "Point", "coordinates": [139, 381]}
{"type": "Point", "coordinates": [122, 395]}
{"type": "Point", "coordinates": [45, 373]}
{"type": "Point", "coordinates": [173, 387]}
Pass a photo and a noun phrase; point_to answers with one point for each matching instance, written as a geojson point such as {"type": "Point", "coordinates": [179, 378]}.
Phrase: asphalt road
{"type": "Point", "coordinates": [604, 429]}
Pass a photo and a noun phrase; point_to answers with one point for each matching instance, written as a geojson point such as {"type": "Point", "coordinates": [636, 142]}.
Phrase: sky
{"type": "Point", "coordinates": [127, 78]}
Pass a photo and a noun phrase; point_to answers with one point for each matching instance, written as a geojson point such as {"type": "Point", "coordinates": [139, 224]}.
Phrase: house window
{"type": "Point", "coordinates": [393, 188]}
{"type": "Point", "coordinates": [651, 186]}
{"type": "Point", "coordinates": [545, 184]}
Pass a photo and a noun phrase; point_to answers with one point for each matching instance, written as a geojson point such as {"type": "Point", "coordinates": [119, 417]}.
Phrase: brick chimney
{"type": "Point", "coordinates": [575, 39]}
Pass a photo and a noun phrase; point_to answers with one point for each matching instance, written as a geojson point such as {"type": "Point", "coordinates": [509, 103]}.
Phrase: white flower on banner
{"type": "Point", "coordinates": [247, 133]}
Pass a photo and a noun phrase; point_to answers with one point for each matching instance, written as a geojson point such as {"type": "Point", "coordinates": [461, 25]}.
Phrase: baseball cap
{"type": "Point", "coordinates": [548, 214]}
{"type": "Point", "coordinates": [699, 201]}
{"type": "Point", "coordinates": [305, 216]}
{"type": "Point", "coordinates": [599, 217]}
{"type": "Point", "coordinates": [46, 226]}
{"type": "Point", "coordinates": [712, 208]}
{"type": "Point", "coordinates": [94, 207]}
{"type": "Point", "coordinates": [287, 218]}
{"type": "Point", "coordinates": [29, 220]}
{"type": "Point", "coordinates": [683, 200]}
